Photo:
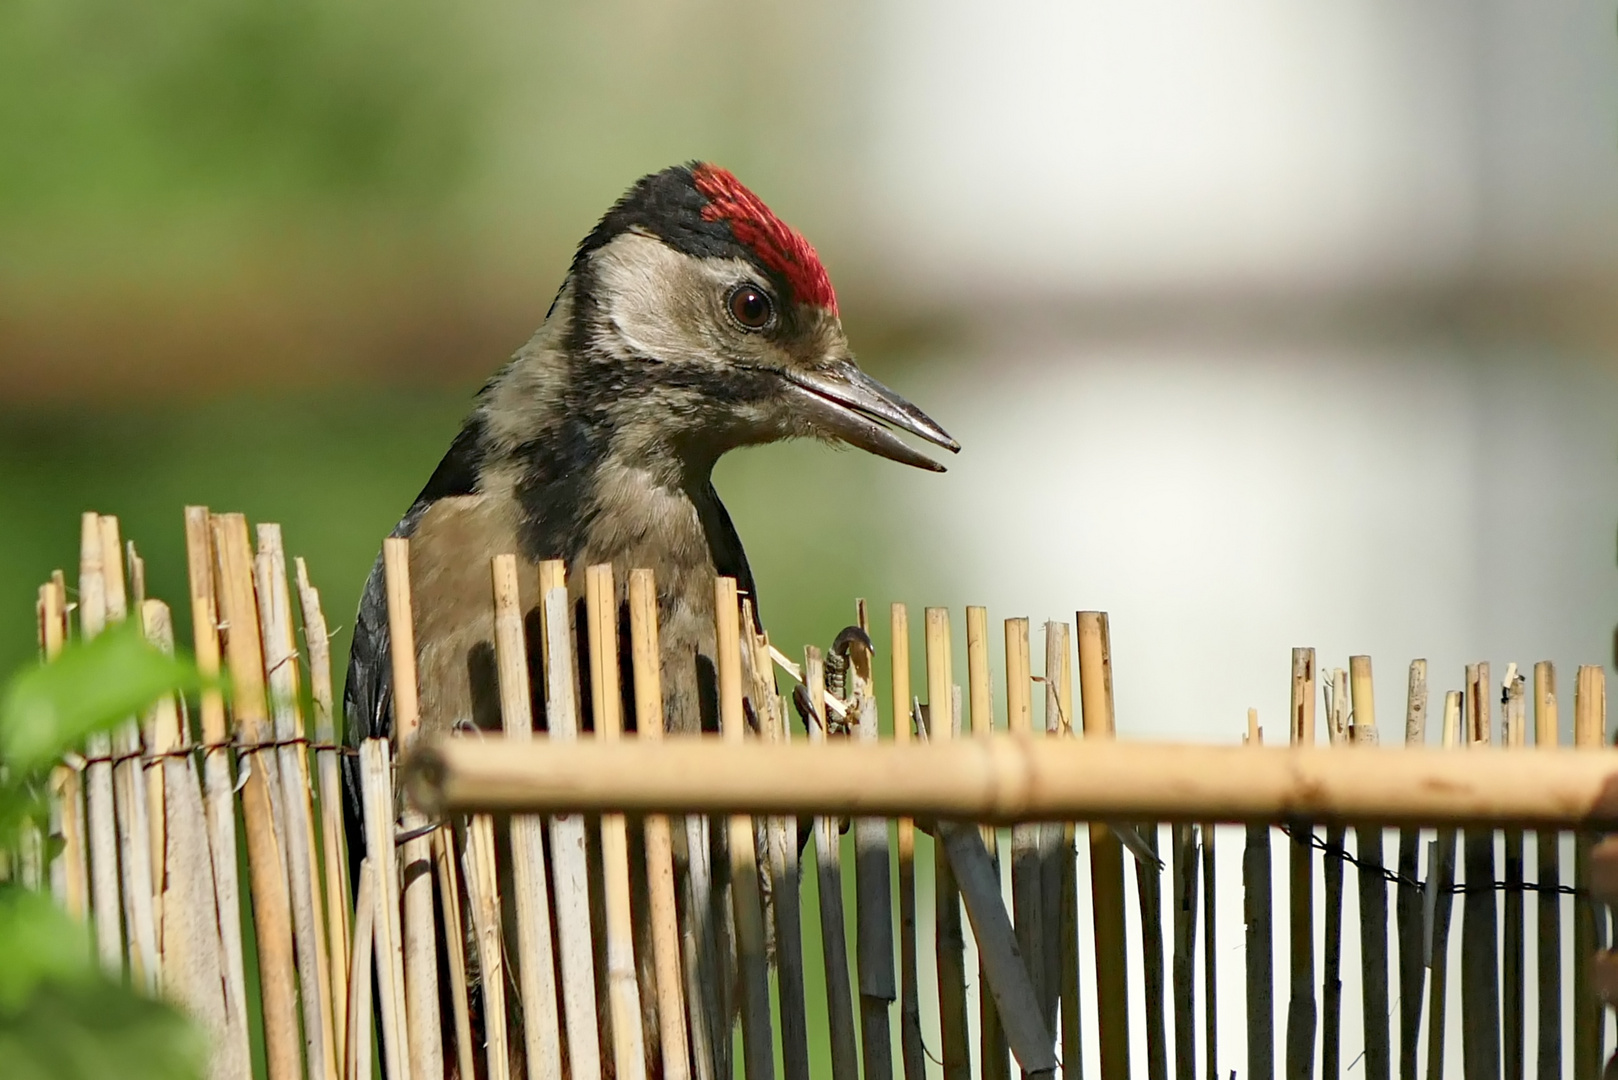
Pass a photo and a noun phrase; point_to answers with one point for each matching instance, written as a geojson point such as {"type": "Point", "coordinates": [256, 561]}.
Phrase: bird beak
{"type": "Point", "coordinates": [846, 403]}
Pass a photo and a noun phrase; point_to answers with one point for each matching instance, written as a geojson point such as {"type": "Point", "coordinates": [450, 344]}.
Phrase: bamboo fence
{"type": "Point", "coordinates": [599, 899]}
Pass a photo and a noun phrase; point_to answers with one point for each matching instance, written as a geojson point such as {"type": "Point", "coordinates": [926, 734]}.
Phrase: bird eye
{"type": "Point", "coordinates": [750, 306]}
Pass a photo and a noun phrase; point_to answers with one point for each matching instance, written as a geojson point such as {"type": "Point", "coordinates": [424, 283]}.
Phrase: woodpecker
{"type": "Point", "coordinates": [692, 321]}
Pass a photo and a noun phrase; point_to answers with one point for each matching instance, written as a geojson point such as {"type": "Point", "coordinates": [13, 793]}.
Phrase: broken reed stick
{"type": "Point", "coordinates": [1441, 880]}
{"type": "Point", "coordinates": [1210, 959]}
{"type": "Point", "coordinates": [376, 792]}
{"type": "Point", "coordinates": [69, 869]}
{"type": "Point", "coordinates": [218, 790]}
{"type": "Point", "coordinates": [1373, 893]}
{"type": "Point", "coordinates": [1547, 736]}
{"type": "Point", "coordinates": [420, 916]}
{"type": "Point", "coordinates": [874, 886]}
{"type": "Point", "coordinates": [1513, 720]}
{"type": "Point", "coordinates": [949, 943]}
{"type": "Point", "coordinates": [1027, 890]}
{"type": "Point", "coordinates": [606, 704]}
{"type": "Point", "coordinates": [1257, 914]}
{"type": "Point", "coordinates": [570, 864]}
{"type": "Point", "coordinates": [105, 898]}
{"type": "Point", "coordinates": [357, 1061]}
{"type": "Point", "coordinates": [303, 871]}
{"type": "Point", "coordinates": [333, 836]}
{"type": "Point", "coordinates": [757, 1041]}
{"type": "Point", "coordinates": [1301, 1012]}
{"type": "Point", "coordinates": [1409, 908]}
{"type": "Point", "coordinates": [460, 987]}
{"type": "Point", "coordinates": [1589, 727]}
{"type": "Point", "coordinates": [1334, 691]}
{"type": "Point", "coordinates": [151, 774]}
{"type": "Point", "coordinates": [834, 951]}
{"type": "Point", "coordinates": [483, 896]}
{"type": "Point", "coordinates": [1051, 836]}
{"type": "Point", "coordinates": [536, 965]}
{"type": "Point", "coordinates": [272, 916]}
{"type": "Point", "coordinates": [665, 929]}
{"type": "Point", "coordinates": [1065, 963]}
{"type": "Point", "coordinates": [1480, 958]}
{"type": "Point", "coordinates": [992, 1051]}
{"type": "Point", "coordinates": [1106, 855]}
{"type": "Point", "coordinates": [912, 1053]}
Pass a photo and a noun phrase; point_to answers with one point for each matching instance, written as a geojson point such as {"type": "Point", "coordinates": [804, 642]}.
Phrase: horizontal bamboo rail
{"type": "Point", "coordinates": [1008, 778]}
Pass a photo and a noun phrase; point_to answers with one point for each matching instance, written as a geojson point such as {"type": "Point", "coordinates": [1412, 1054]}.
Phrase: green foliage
{"type": "Point", "coordinates": [60, 1017]}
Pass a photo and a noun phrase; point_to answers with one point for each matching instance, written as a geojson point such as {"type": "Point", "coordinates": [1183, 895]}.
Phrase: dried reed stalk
{"type": "Point", "coordinates": [159, 733]}
{"type": "Point", "coordinates": [1185, 936]}
{"type": "Point", "coordinates": [606, 702]}
{"type": "Point", "coordinates": [1441, 880]}
{"type": "Point", "coordinates": [993, 1062]}
{"type": "Point", "coordinates": [1409, 908]}
{"type": "Point", "coordinates": [912, 1053]}
{"type": "Point", "coordinates": [218, 790]}
{"type": "Point", "coordinates": [1258, 916]}
{"type": "Point", "coordinates": [483, 896]}
{"type": "Point", "coordinates": [69, 867]}
{"type": "Point", "coordinates": [426, 1039]}
{"type": "Point", "coordinates": [949, 943]}
{"type": "Point", "coordinates": [1480, 943]}
{"type": "Point", "coordinates": [536, 966]}
{"type": "Point", "coordinates": [873, 884]}
{"type": "Point", "coordinates": [1027, 890]}
{"type": "Point", "coordinates": [460, 987]}
{"type": "Point", "coordinates": [1301, 1013]}
{"type": "Point", "coordinates": [664, 916]}
{"type": "Point", "coordinates": [1210, 961]}
{"type": "Point", "coordinates": [570, 861]}
{"type": "Point", "coordinates": [107, 919]}
{"type": "Point", "coordinates": [1064, 972]}
{"type": "Point", "coordinates": [784, 885]}
{"type": "Point", "coordinates": [828, 864]}
{"type": "Point", "coordinates": [1589, 727]}
{"type": "Point", "coordinates": [757, 1051]}
{"type": "Point", "coordinates": [1051, 833]}
{"type": "Point", "coordinates": [333, 836]}
{"type": "Point", "coordinates": [1547, 736]}
{"type": "Point", "coordinates": [1373, 894]}
{"type": "Point", "coordinates": [1513, 722]}
{"type": "Point", "coordinates": [303, 870]}
{"type": "Point", "coordinates": [376, 789]}
{"type": "Point", "coordinates": [1334, 690]}
{"type": "Point", "coordinates": [357, 1062]}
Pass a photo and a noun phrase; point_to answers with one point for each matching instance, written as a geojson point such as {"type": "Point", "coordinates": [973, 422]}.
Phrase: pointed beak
{"type": "Point", "coordinates": [844, 402]}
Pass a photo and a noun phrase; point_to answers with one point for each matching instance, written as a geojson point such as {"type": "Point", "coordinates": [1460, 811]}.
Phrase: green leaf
{"type": "Point", "coordinates": [39, 943]}
{"type": "Point", "coordinates": [49, 709]}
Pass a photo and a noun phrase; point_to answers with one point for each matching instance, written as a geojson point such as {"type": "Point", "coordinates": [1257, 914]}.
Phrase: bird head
{"type": "Point", "coordinates": [711, 324]}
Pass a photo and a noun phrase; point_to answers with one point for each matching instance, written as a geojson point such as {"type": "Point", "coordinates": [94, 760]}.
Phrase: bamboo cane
{"type": "Point", "coordinates": [68, 869]}
{"type": "Point", "coordinates": [1442, 882]}
{"type": "Point", "coordinates": [912, 1053]}
{"type": "Point", "coordinates": [1185, 933]}
{"type": "Point", "coordinates": [1301, 1014]}
{"type": "Point", "coordinates": [1512, 1001]}
{"type": "Point", "coordinates": [1480, 958]}
{"type": "Point", "coordinates": [1589, 726]}
{"type": "Point", "coordinates": [1373, 894]}
{"type": "Point", "coordinates": [216, 770]}
{"type": "Point", "coordinates": [873, 883]}
{"type": "Point", "coordinates": [757, 1054]}
{"type": "Point", "coordinates": [949, 944]}
{"type": "Point", "coordinates": [1410, 912]}
{"type": "Point", "coordinates": [377, 795]}
{"type": "Point", "coordinates": [1064, 972]}
{"type": "Point", "coordinates": [659, 842]}
{"type": "Point", "coordinates": [483, 895]}
{"type": "Point", "coordinates": [1335, 692]}
{"type": "Point", "coordinates": [159, 733]}
{"type": "Point", "coordinates": [105, 900]}
{"type": "Point", "coordinates": [606, 701]}
{"type": "Point", "coordinates": [357, 1064]}
{"type": "Point", "coordinates": [420, 920]}
{"type": "Point", "coordinates": [993, 1059]}
{"type": "Point", "coordinates": [536, 965]}
{"type": "Point", "coordinates": [1051, 833]}
{"type": "Point", "coordinates": [1547, 736]}
{"type": "Point", "coordinates": [570, 865]}
{"type": "Point", "coordinates": [1256, 909]}
{"type": "Point", "coordinates": [834, 951]}
{"type": "Point", "coordinates": [1027, 894]}
{"type": "Point", "coordinates": [460, 988]}
{"type": "Point", "coordinates": [1106, 856]}
{"type": "Point", "coordinates": [303, 871]}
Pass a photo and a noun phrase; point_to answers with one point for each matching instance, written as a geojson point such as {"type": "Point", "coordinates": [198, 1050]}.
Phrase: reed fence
{"type": "Point", "coordinates": [1028, 895]}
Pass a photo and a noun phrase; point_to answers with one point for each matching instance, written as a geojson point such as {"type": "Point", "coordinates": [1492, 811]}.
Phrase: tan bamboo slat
{"type": "Point", "coordinates": [1409, 909]}
{"type": "Point", "coordinates": [1513, 1003]}
{"type": "Point", "coordinates": [912, 1053]}
{"type": "Point", "coordinates": [1258, 917]}
{"type": "Point", "coordinates": [1480, 925]}
{"type": "Point", "coordinates": [1106, 855]}
{"type": "Point", "coordinates": [1589, 728]}
{"type": "Point", "coordinates": [873, 884]}
{"type": "Point", "coordinates": [949, 943]}
{"type": "Point", "coordinates": [1442, 883]}
{"type": "Point", "coordinates": [1374, 998]}
{"type": "Point", "coordinates": [1547, 736]}
{"type": "Point", "coordinates": [1301, 1009]}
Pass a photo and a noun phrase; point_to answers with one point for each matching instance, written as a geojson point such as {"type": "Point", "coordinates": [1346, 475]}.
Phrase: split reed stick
{"type": "Point", "coordinates": [376, 790]}
{"type": "Point", "coordinates": [912, 1052]}
{"type": "Point", "coordinates": [1210, 958]}
{"type": "Point", "coordinates": [1374, 1001]}
{"type": "Point", "coordinates": [483, 896]}
{"type": "Point", "coordinates": [994, 1063]}
{"type": "Point", "coordinates": [1301, 1011]}
{"type": "Point", "coordinates": [159, 733]}
{"type": "Point", "coordinates": [1480, 943]}
{"type": "Point", "coordinates": [1513, 1003]}
{"type": "Point", "coordinates": [1051, 833]}
{"type": "Point", "coordinates": [1154, 978]}
{"type": "Point", "coordinates": [333, 836]}
{"type": "Point", "coordinates": [874, 884]}
{"type": "Point", "coordinates": [1548, 995]}
{"type": "Point", "coordinates": [105, 896]}
{"type": "Point", "coordinates": [303, 869]}
{"type": "Point", "coordinates": [1185, 934]}
{"type": "Point", "coordinates": [1106, 855]}
{"type": "Point", "coordinates": [1410, 909]}
{"type": "Point", "coordinates": [949, 942]}
{"type": "Point", "coordinates": [757, 1042]}
{"type": "Point", "coordinates": [536, 964]}
{"type": "Point", "coordinates": [69, 869]}
{"type": "Point", "coordinates": [1065, 972]}
{"type": "Point", "coordinates": [646, 666]}
{"type": "Point", "coordinates": [1589, 727]}
{"type": "Point", "coordinates": [834, 950]}
{"type": "Point", "coordinates": [1334, 690]}
{"type": "Point", "coordinates": [606, 704]}
{"type": "Point", "coordinates": [1258, 915]}
{"type": "Point", "coordinates": [1441, 880]}
{"type": "Point", "coordinates": [460, 987]}
{"type": "Point", "coordinates": [1027, 891]}
{"type": "Point", "coordinates": [569, 853]}
{"type": "Point", "coordinates": [420, 919]}
{"type": "Point", "coordinates": [357, 1062]}
{"type": "Point", "coordinates": [218, 790]}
